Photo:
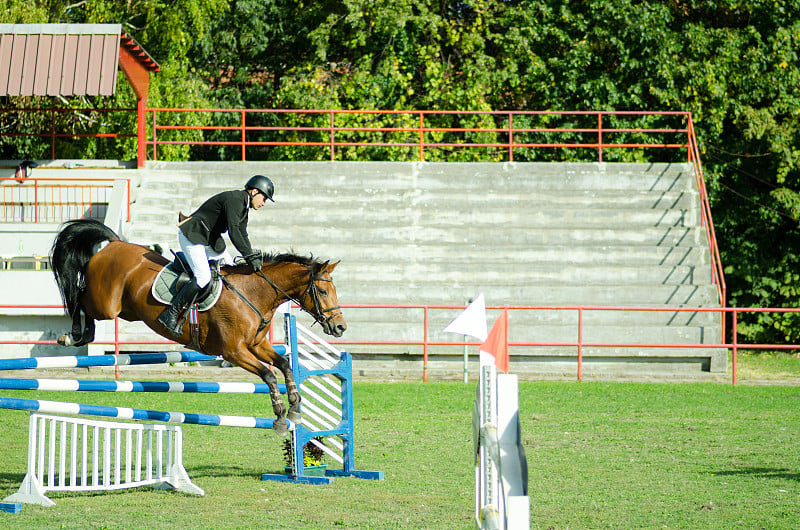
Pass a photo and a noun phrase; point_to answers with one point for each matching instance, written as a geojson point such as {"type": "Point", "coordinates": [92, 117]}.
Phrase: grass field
{"type": "Point", "coordinates": [619, 455]}
{"type": "Point", "coordinates": [771, 367]}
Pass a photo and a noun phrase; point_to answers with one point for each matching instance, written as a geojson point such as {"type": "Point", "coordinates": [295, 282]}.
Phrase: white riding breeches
{"type": "Point", "coordinates": [198, 256]}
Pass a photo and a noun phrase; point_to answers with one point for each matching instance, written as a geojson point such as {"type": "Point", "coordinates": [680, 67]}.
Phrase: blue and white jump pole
{"type": "Point", "coordinates": [323, 375]}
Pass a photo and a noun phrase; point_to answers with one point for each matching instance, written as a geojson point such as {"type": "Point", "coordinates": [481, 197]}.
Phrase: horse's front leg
{"type": "Point", "coordinates": [280, 425]}
{"type": "Point", "coordinates": [245, 359]}
{"type": "Point", "coordinates": [267, 354]}
{"type": "Point", "coordinates": [292, 394]}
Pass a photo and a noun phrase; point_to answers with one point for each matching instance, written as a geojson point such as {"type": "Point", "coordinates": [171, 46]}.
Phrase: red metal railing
{"type": "Point", "coordinates": [579, 344]}
{"type": "Point", "coordinates": [717, 275]}
{"type": "Point", "coordinates": [47, 200]}
{"type": "Point", "coordinates": [335, 129]}
{"type": "Point", "coordinates": [413, 129]}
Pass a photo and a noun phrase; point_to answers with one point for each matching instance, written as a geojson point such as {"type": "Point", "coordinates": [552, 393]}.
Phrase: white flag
{"type": "Point", "coordinates": [472, 321]}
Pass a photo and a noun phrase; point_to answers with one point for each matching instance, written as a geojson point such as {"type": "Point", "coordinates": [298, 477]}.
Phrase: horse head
{"type": "Point", "coordinates": [320, 299]}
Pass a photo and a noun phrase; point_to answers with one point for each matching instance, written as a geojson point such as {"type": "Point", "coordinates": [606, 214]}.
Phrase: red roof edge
{"type": "Point", "coordinates": [136, 50]}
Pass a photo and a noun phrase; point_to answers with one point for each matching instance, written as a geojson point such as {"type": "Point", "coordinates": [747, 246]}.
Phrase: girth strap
{"type": "Point", "coordinates": [264, 322]}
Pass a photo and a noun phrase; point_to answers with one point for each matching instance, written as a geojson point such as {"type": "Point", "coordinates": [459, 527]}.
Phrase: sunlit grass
{"type": "Point", "coordinates": [620, 455]}
{"type": "Point", "coordinates": [773, 366]}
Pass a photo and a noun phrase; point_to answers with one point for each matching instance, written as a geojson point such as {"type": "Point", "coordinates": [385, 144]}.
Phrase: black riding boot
{"type": "Point", "coordinates": [182, 300]}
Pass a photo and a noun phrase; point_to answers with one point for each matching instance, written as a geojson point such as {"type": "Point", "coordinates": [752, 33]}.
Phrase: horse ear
{"type": "Point", "coordinates": [333, 266]}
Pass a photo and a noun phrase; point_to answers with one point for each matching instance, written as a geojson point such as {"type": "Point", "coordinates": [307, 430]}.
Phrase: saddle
{"type": "Point", "coordinates": [173, 276]}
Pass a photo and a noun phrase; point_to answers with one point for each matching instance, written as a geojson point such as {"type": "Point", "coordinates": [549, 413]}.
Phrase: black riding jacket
{"type": "Point", "coordinates": [224, 212]}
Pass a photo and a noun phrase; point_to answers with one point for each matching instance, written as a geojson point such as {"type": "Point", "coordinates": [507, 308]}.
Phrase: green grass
{"type": "Point", "coordinates": [619, 455]}
{"type": "Point", "coordinates": [769, 366]}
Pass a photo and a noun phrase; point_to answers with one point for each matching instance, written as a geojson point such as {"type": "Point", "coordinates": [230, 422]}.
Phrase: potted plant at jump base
{"type": "Point", "coordinates": [313, 457]}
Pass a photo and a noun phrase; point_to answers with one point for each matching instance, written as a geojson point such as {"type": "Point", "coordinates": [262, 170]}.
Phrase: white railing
{"type": "Point", "coordinates": [77, 454]}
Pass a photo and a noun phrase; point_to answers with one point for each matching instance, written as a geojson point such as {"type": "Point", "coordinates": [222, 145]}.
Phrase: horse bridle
{"type": "Point", "coordinates": [312, 291]}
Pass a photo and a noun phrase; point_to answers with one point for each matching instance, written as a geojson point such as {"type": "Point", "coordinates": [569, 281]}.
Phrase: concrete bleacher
{"type": "Point", "coordinates": [545, 234]}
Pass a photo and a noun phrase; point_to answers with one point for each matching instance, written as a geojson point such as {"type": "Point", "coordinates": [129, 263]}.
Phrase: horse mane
{"type": "Point", "coordinates": [312, 263]}
{"type": "Point", "coordinates": [315, 265]}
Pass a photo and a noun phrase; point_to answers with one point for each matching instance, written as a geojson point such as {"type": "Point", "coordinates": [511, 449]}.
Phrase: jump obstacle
{"type": "Point", "coordinates": [323, 375]}
{"type": "Point", "coordinates": [501, 469]}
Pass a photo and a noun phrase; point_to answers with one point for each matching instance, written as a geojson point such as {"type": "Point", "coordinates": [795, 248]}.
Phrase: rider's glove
{"type": "Point", "coordinates": [256, 260]}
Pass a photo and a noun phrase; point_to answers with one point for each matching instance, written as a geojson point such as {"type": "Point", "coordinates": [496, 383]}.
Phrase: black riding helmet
{"type": "Point", "coordinates": [262, 184]}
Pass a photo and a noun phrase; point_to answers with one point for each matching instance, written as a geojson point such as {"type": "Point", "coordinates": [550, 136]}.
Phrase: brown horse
{"type": "Point", "coordinates": [115, 280]}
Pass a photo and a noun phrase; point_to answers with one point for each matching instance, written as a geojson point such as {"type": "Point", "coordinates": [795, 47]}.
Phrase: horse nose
{"type": "Point", "coordinates": [340, 329]}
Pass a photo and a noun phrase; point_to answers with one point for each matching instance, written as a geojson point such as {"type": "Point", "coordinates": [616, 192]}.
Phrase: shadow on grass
{"type": "Point", "coordinates": [765, 472]}
{"type": "Point", "coordinates": [10, 480]}
{"type": "Point", "coordinates": [216, 471]}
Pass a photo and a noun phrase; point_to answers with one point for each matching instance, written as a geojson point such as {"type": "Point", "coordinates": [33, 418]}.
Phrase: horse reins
{"type": "Point", "coordinates": [310, 290]}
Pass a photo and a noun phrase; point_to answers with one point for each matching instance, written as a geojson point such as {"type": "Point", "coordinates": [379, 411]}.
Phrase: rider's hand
{"type": "Point", "coordinates": [256, 260]}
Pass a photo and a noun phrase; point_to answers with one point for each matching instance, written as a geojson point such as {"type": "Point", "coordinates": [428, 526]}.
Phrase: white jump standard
{"type": "Point", "coordinates": [87, 455]}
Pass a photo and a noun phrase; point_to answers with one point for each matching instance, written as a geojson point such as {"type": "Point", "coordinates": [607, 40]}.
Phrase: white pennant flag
{"type": "Point", "coordinates": [472, 321]}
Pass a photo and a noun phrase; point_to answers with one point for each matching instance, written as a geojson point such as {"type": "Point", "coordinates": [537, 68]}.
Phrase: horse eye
{"type": "Point", "coordinates": [323, 292]}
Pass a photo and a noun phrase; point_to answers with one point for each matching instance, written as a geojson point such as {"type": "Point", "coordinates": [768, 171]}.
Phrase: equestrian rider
{"type": "Point", "coordinates": [200, 237]}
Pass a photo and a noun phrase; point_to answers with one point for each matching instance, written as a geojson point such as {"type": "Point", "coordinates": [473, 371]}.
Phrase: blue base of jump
{"type": "Point", "coordinates": [365, 475]}
{"type": "Point", "coordinates": [10, 507]}
{"type": "Point", "coordinates": [297, 479]}
{"type": "Point", "coordinates": [327, 479]}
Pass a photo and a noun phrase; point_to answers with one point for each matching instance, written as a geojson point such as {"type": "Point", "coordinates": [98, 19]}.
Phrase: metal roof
{"type": "Point", "coordinates": [65, 59]}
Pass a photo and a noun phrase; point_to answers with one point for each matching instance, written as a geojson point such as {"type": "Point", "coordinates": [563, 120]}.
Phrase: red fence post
{"type": "Point", "coordinates": [155, 156]}
{"type": "Point", "coordinates": [244, 135]}
{"type": "Point", "coordinates": [333, 148]}
{"type": "Point", "coordinates": [580, 344]}
{"type": "Point", "coordinates": [141, 136]}
{"type": "Point", "coordinates": [421, 139]}
{"type": "Point", "coordinates": [734, 344]}
{"type": "Point", "coordinates": [425, 349]}
{"type": "Point", "coordinates": [36, 200]}
{"type": "Point", "coordinates": [600, 136]}
{"type": "Point", "coordinates": [510, 137]}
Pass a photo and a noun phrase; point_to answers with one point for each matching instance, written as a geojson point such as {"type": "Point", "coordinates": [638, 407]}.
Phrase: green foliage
{"type": "Point", "coordinates": [165, 29]}
{"type": "Point", "coordinates": [312, 454]}
{"type": "Point", "coordinates": [22, 12]}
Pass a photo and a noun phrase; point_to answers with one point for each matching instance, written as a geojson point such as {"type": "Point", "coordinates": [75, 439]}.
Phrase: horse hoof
{"type": "Point", "coordinates": [280, 427]}
{"type": "Point", "coordinates": [295, 417]}
{"type": "Point", "coordinates": [65, 340]}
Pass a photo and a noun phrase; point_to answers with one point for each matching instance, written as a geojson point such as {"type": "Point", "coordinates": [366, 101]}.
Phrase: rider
{"type": "Point", "coordinates": [200, 237]}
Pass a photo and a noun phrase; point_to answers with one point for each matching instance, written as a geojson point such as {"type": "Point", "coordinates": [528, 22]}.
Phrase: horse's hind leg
{"type": "Point", "coordinates": [76, 337]}
{"type": "Point", "coordinates": [88, 331]}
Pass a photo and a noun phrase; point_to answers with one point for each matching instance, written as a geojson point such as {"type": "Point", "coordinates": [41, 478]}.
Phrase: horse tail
{"type": "Point", "coordinates": [77, 241]}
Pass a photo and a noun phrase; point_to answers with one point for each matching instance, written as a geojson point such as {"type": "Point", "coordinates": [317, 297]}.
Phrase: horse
{"type": "Point", "coordinates": [103, 277]}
